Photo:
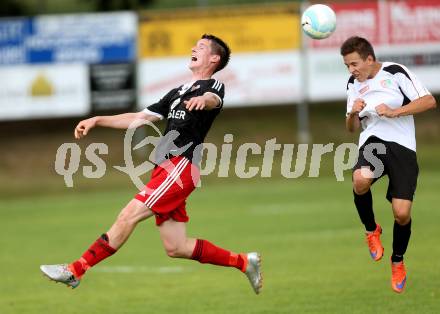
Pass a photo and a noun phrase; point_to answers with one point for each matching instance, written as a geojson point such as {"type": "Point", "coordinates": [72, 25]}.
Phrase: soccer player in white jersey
{"type": "Point", "coordinates": [382, 98]}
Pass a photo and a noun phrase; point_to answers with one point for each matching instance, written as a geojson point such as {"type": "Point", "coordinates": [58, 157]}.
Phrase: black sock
{"type": "Point", "coordinates": [401, 235]}
{"type": "Point", "coordinates": [364, 206]}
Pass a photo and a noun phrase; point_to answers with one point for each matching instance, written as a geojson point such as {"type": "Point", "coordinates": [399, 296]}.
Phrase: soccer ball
{"type": "Point", "coordinates": [318, 21]}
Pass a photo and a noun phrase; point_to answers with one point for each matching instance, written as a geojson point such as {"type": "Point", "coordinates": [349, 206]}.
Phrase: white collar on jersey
{"type": "Point", "coordinates": [185, 87]}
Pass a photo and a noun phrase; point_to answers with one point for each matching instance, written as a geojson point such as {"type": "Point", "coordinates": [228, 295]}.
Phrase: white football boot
{"type": "Point", "coordinates": [253, 271]}
{"type": "Point", "coordinates": [60, 273]}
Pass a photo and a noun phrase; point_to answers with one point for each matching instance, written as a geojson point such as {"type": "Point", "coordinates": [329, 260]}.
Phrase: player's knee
{"type": "Point", "coordinates": [402, 217]}
{"type": "Point", "coordinates": [361, 185]}
{"type": "Point", "coordinates": [173, 251]}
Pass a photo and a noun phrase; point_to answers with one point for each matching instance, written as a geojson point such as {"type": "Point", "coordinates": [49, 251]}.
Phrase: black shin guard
{"type": "Point", "coordinates": [364, 206]}
{"type": "Point", "coordinates": [401, 235]}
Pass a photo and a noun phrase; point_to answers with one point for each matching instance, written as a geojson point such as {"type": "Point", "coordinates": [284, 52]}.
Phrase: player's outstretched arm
{"type": "Point", "coordinates": [120, 121]}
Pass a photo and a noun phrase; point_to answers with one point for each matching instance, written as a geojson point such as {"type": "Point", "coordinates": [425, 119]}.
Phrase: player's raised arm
{"type": "Point", "coordinates": [120, 121]}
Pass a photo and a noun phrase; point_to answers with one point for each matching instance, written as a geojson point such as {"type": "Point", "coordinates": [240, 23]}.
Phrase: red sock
{"type": "Point", "coordinates": [206, 252]}
{"type": "Point", "coordinates": [98, 251]}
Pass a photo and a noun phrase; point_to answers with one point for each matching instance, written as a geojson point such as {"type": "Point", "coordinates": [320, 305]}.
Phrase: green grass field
{"type": "Point", "coordinates": [314, 257]}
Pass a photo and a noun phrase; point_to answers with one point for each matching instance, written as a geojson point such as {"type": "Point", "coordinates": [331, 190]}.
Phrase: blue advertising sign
{"type": "Point", "coordinates": [12, 36]}
{"type": "Point", "coordinates": [89, 38]}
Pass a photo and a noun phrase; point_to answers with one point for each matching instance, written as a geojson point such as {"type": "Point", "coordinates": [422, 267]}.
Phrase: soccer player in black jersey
{"type": "Point", "coordinates": [190, 111]}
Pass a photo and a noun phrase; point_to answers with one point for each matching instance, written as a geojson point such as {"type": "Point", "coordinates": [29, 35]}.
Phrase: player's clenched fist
{"type": "Point", "coordinates": [83, 127]}
{"type": "Point", "coordinates": [385, 111]}
{"type": "Point", "coordinates": [358, 106]}
{"type": "Point", "coordinates": [197, 103]}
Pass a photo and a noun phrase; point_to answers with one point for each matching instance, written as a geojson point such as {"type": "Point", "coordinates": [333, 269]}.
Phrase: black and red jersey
{"type": "Point", "coordinates": [185, 130]}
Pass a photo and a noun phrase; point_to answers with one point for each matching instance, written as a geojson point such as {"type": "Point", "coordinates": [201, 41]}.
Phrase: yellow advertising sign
{"type": "Point", "coordinates": [264, 28]}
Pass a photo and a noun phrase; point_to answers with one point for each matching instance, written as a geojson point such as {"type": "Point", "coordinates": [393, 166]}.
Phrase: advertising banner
{"type": "Point", "coordinates": [112, 86]}
{"type": "Point", "coordinates": [89, 38]}
{"type": "Point", "coordinates": [12, 36]}
{"type": "Point", "coordinates": [385, 22]}
{"type": "Point", "coordinates": [414, 21]}
{"type": "Point", "coordinates": [44, 91]}
{"type": "Point", "coordinates": [44, 64]}
{"type": "Point", "coordinates": [353, 19]}
{"type": "Point", "coordinates": [250, 79]}
{"type": "Point", "coordinates": [264, 66]}
{"type": "Point", "coordinates": [254, 28]}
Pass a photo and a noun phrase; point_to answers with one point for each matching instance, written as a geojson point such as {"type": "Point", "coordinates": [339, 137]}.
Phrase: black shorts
{"type": "Point", "coordinates": [399, 164]}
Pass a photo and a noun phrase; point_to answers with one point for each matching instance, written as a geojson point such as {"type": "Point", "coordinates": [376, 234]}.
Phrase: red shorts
{"type": "Point", "coordinates": [171, 183]}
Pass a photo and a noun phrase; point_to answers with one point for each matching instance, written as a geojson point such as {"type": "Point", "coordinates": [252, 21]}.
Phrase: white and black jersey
{"type": "Point", "coordinates": [191, 126]}
{"type": "Point", "coordinates": [395, 86]}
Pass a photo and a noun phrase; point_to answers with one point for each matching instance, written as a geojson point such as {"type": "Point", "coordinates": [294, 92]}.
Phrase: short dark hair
{"type": "Point", "coordinates": [359, 45]}
{"type": "Point", "coordinates": [219, 47]}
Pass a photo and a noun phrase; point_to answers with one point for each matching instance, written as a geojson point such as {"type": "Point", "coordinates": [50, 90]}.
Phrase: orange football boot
{"type": "Point", "coordinates": [374, 244]}
{"type": "Point", "coordinates": [398, 276]}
